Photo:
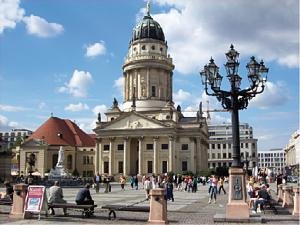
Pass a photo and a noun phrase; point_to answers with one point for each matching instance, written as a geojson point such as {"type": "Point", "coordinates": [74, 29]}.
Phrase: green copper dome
{"type": "Point", "coordinates": [148, 28]}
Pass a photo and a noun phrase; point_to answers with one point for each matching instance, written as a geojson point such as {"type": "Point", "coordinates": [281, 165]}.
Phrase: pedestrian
{"type": "Point", "coordinates": [213, 191]}
{"type": "Point", "coordinates": [169, 187]}
{"type": "Point", "coordinates": [97, 181]}
{"type": "Point", "coordinates": [136, 182]}
{"type": "Point", "coordinates": [122, 182]}
{"type": "Point", "coordinates": [56, 196]}
{"type": "Point", "coordinates": [147, 187]}
{"type": "Point", "coordinates": [195, 182]}
{"type": "Point", "coordinates": [9, 191]}
{"type": "Point", "coordinates": [221, 185]}
{"type": "Point", "coordinates": [131, 180]}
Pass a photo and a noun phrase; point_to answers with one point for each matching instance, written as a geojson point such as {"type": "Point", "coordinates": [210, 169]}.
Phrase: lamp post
{"type": "Point", "coordinates": [234, 100]}
{"type": "Point", "coordinates": [246, 162]}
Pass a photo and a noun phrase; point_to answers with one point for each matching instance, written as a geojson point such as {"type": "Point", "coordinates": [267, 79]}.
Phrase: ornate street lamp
{"type": "Point", "coordinates": [234, 100]}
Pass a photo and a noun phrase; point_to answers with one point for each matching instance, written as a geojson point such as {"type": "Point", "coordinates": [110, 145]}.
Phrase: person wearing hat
{"type": "Point", "coordinates": [84, 197]}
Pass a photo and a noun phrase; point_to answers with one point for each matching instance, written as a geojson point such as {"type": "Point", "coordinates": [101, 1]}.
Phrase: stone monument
{"type": "Point", "coordinates": [59, 172]}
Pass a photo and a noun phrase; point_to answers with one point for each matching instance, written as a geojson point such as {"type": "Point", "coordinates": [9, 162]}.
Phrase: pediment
{"type": "Point", "coordinates": [134, 121]}
{"type": "Point", "coordinates": [34, 142]}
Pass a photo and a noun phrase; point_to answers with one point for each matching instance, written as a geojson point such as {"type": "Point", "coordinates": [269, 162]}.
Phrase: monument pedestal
{"type": "Point", "coordinates": [17, 210]}
{"type": "Point", "coordinates": [237, 207]}
{"type": "Point", "coordinates": [158, 207]}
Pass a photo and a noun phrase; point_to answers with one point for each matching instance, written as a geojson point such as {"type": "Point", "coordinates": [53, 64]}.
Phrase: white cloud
{"type": "Point", "coordinates": [95, 49]}
{"type": "Point", "coordinates": [78, 84]}
{"type": "Point", "coordinates": [196, 30]}
{"type": "Point", "coordinates": [76, 107]}
{"type": "Point", "coordinates": [181, 96]}
{"type": "Point", "coordinates": [42, 105]}
{"type": "Point", "coordinates": [5, 124]}
{"type": "Point", "coordinates": [275, 94]}
{"type": "Point", "coordinates": [119, 84]}
{"type": "Point", "coordinates": [11, 108]}
{"type": "Point", "coordinates": [10, 14]}
{"type": "Point", "coordinates": [40, 27]}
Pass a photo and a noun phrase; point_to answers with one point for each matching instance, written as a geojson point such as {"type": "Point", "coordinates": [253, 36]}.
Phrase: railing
{"type": "Point", "coordinates": [147, 56]}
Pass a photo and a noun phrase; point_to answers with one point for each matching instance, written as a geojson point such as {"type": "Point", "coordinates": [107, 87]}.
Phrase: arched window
{"type": "Point", "coordinates": [69, 162]}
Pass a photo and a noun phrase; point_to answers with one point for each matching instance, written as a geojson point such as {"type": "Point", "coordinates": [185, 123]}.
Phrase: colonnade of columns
{"type": "Point", "coordinates": [126, 155]}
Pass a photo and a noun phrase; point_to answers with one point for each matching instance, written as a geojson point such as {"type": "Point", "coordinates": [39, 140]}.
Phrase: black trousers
{"type": "Point", "coordinates": [86, 202]}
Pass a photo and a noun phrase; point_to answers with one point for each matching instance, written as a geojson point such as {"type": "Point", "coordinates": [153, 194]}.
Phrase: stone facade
{"type": "Point", "coordinates": [150, 136]}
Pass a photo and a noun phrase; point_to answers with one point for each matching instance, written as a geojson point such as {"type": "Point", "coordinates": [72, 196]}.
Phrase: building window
{"type": "Point", "coordinates": [120, 166]}
{"type": "Point", "coordinates": [121, 147]}
{"type": "Point", "coordinates": [164, 146]}
{"type": "Point", "coordinates": [92, 160]}
{"type": "Point", "coordinates": [149, 167]}
{"type": "Point", "coordinates": [219, 164]}
{"type": "Point", "coordinates": [229, 146]}
{"type": "Point", "coordinates": [164, 167]}
{"type": "Point", "coordinates": [224, 164]}
{"type": "Point", "coordinates": [219, 146]}
{"type": "Point", "coordinates": [144, 47]}
{"type": "Point", "coordinates": [246, 145]}
{"type": "Point", "coordinates": [253, 145]}
{"type": "Point", "coordinates": [106, 148]}
{"type": "Point", "coordinates": [106, 167]}
{"type": "Point", "coordinates": [224, 155]}
{"type": "Point", "coordinates": [224, 146]}
{"type": "Point", "coordinates": [208, 165]}
{"type": "Point", "coordinates": [84, 160]}
{"type": "Point", "coordinates": [230, 164]}
{"type": "Point", "coordinates": [213, 156]}
{"type": "Point", "coordinates": [69, 162]}
{"type": "Point", "coordinates": [153, 91]}
{"type": "Point", "coordinates": [208, 155]}
{"type": "Point", "coordinates": [213, 165]}
{"type": "Point", "coordinates": [219, 155]}
{"type": "Point", "coordinates": [184, 147]}
{"type": "Point", "coordinates": [229, 155]}
{"type": "Point", "coordinates": [213, 146]}
{"type": "Point", "coordinates": [184, 166]}
{"type": "Point", "coordinates": [149, 146]}
{"type": "Point", "coordinates": [153, 47]}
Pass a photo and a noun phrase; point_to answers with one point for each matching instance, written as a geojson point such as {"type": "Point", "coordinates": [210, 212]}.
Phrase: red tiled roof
{"type": "Point", "coordinates": [56, 131]}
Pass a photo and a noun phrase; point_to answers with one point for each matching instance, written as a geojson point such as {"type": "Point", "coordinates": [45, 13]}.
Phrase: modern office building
{"type": "Point", "coordinates": [273, 159]}
{"type": "Point", "coordinates": [9, 138]}
{"type": "Point", "coordinates": [292, 153]}
{"type": "Point", "coordinates": [220, 146]}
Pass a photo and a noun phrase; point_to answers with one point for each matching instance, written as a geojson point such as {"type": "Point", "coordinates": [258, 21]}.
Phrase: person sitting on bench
{"type": "Point", "coordinates": [9, 191]}
{"type": "Point", "coordinates": [56, 196]}
{"type": "Point", "coordinates": [262, 197]}
{"type": "Point", "coordinates": [84, 197]}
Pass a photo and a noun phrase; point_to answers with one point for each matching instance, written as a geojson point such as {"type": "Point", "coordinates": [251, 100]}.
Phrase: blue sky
{"type": "Point", "coordinates": [65, 57]}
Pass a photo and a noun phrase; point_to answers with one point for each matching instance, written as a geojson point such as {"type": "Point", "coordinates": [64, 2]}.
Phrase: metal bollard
{"type": "Point", "coordinates": [17, 210]}
{"type": "Point", "coordinates": [158, 207]}
{"type": "Point", "coordinates": [296, 211]}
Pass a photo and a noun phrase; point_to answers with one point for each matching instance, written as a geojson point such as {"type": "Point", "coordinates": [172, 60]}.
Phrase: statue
{"type": "Point", "coordinates": [61, 157]}
{"type": "Point", "coordinates": [179, 108]}
{"type": "Point", "coordinates": [115, 103]}
{"type": "Point", "coordinates": [199, 112]}
{"type": "Point", "coordinates": [99, 117]}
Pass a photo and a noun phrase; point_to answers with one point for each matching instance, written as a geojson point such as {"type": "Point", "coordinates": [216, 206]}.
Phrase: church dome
{"type": "Point", "coordinates": [148, 28]}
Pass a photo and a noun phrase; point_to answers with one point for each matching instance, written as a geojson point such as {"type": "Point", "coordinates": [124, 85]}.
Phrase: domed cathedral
{"type": "Point", "coordinates": [150, 135]}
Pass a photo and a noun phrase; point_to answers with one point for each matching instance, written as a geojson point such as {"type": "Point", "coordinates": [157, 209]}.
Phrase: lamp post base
{"type": "Point", "coordinates": [237, 206]}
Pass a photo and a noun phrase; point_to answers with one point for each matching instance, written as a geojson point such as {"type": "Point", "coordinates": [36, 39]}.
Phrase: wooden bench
{"type": "Point", "coordinates": [5, 201]}
{"type": "Point", "coordinates": [270, 204]}
{"type": "Point", "coordinates": [85, 209]}
{"type": "Point", "coordinates": [113, 208]}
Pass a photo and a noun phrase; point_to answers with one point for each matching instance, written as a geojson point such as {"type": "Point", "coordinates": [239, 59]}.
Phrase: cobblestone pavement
{"type": "Point", "coordinates": [188, 208]}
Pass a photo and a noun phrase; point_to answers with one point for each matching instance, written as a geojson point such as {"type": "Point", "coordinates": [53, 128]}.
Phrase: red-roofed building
{"type": "Point", "coordinates": [79, 147]}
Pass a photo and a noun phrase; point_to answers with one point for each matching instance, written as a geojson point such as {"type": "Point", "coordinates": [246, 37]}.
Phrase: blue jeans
{"type": "Point", "coordinates": [213, 192]}
{"type": "Point", "coordinates": [258, 202]}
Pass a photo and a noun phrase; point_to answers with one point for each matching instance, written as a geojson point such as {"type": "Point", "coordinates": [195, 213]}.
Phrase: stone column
{"type": "Point", "coordinates": [192, 154]}
{"type": "Point", "coordinates": [140, 172]}
{"type": "Point", "coordinates": [155, 155]}
{"type": "Point", "coordinates": [125, 156]}
{"type": "Point", "coordinates": [97, 157]}
{"type": "Point", "coordinates": [111, 156]}
{"type": "Point", "coordinates": [171, 154]}
{"type": "Point", "coordinates": [100, 156]}
{"type": "Point", "coordinates": [296, 211]}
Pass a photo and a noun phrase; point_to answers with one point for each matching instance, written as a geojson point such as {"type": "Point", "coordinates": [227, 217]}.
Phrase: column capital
{"type": "Point", "coordinates": [155, 138]}
{"type": "Point", "coordinates": [126, 138]}
{"type": "Point", "coordinates": [172, 137]}
{"type": "Point", "coordinates": [112, 138]}
{"type": "Point", "coordinates": [141, 138]}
